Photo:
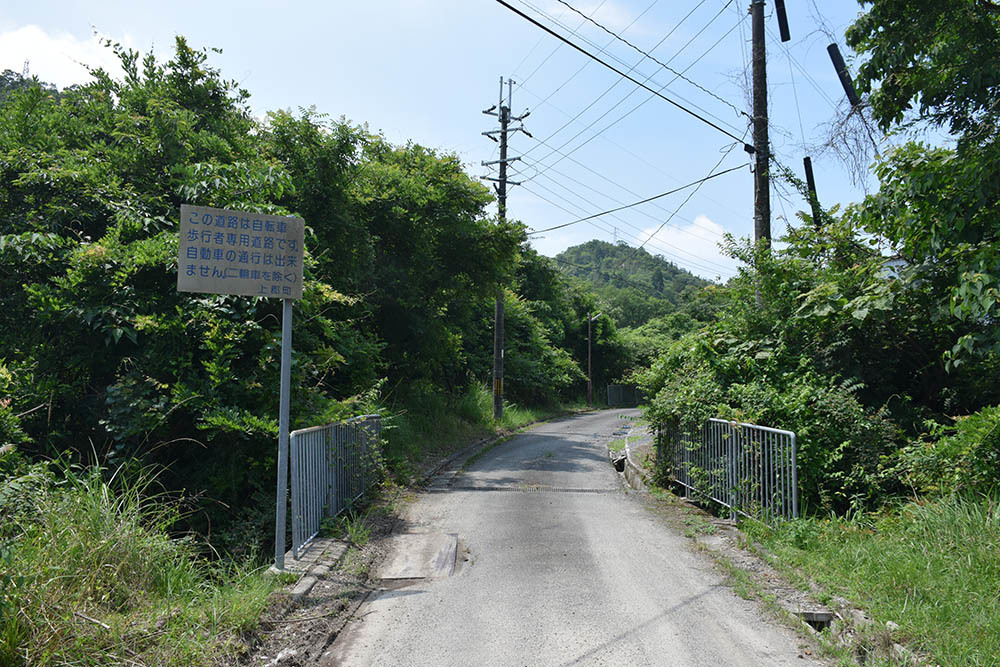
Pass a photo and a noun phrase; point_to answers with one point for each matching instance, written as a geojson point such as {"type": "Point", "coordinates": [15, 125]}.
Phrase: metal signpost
{"type": "Point", "coordinates": [249, 254]}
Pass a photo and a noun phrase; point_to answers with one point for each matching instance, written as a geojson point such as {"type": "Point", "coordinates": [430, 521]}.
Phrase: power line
{"type": "Point", "coordinates": [688, 198]}
{"type": "Point", "coordinates": [621, 73]}
{"type": "Point", "coordinates": [798, 66]}
{"type": "Point", "coordinates": [646, 79]}
{"type": "Point", "coordinates": [586, 63]}
{"type": "Point", "coordinates": [688, 264]}
{"type": "Point", "coordinates": [654, 59]}
{"type": "Point", "coordinates": [553, 52]}
{"type": "Point", "coordinates": [603, 176]}
{"type": "Point", "coordinates": [647, 214]}
{"type": "Point", "coordinates": [612, 86]}
{"type": "Point", "coordinates": [698, 262]}
{"type": "Point", "coordinates": [634, 109]}
{"type": "Point", "coordinates": [641, 201]}
{"type": "Point", "coordinates": [661, 245]}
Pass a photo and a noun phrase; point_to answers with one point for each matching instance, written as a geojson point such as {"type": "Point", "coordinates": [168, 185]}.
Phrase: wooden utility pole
{"type": "Point", "coordinates": [502, 112]}
{"type": "Point", "coordinates": [811, 189]}
{"type": "Point", "coordinates": [762, 190]}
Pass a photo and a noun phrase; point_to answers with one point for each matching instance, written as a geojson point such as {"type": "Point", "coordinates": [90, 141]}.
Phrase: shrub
{"type": "Point", "coordinates": [964, 458]}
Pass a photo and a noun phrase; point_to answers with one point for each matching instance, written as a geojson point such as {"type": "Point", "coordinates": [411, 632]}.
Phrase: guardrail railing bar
{"type": "Point", "coordinates": [331, 468]}
{"type": "Point", "coordinates": [748, 469]}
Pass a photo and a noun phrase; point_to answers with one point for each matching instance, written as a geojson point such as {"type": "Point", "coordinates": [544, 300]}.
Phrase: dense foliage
{"type": "Point", "coordinates": [102, 357]}
{"type": "Point", "coordinates": [89, 575]}
{"type": "Point", "coordinates": [869, 332]}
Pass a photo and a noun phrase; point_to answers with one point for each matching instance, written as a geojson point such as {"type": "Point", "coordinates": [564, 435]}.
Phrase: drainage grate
{"type": "Point", "coordinates": [819, 619]}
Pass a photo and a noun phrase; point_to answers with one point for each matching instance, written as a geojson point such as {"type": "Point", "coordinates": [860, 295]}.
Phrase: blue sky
{"type": "Point", "coordinates": [423, 70]}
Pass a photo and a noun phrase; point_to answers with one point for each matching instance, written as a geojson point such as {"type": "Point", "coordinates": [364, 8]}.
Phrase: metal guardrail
{"type": "Point", "coordinates": [624, 395]}
{"type": "Point", "coordinates": [331, 467]}
{"type": "Point", "coordinates": [749, 469]}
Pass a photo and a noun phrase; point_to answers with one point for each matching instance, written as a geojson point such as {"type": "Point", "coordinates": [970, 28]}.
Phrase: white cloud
{"type": "Point", "coordinates": [57, 59]}
{"type": "Point", "coordinates": [693, 246]}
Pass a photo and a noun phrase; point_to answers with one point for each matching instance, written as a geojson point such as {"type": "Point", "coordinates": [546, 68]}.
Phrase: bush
{"type": "Point", "coordinates": [964, 458]}
{"type": "Point", "coordinates": [843, 446]}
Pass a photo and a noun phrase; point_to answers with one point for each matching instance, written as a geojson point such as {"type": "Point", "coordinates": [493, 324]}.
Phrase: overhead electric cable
{"type": "Point", "coordinates": [587, 62]}
{"type": "Point", "coordinates": [621, 73]}
{"type": "Point", "coordinates": [688, 198]}
{"type": "Point", "coordinates": [617, 145]}
{"type": "Point", "coordinates": [645, 80]}
{"type": "Point", "coordinates": [743, 52]}
{"type": "Point", "coordinates": [808, 77]}
{"type": "Point", "coordinates": [654, 59]}
{"type": "Point", "coordinates": [645, 213]}
{"type": "Point", "coordinates": [641, 201]}
{"type": "Point", "coordinates": [631, 111]}
{"type": "Point", "coordinates": [697, 261]}
{"type": "Point", "coordinates": [617, 81]}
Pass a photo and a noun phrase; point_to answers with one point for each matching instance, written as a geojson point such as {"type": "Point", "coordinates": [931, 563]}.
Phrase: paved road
{"type": "Point", "coordinates": [564, 567]}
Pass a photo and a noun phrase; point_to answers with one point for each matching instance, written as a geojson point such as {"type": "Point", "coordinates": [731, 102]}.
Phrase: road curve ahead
{"type": "Point", "coordinates": [559, 565]}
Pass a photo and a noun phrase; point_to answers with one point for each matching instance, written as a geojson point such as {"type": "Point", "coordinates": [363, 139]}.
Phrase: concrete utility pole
{"type": "Point", "coordinates": [502, 112]}
{"type": "Point", "coordinates": [762, 190]}
{"type": "Point", "coordinates": [590, 370]}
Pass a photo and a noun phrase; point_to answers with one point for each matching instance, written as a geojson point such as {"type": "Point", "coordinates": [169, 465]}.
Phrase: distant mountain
{"type": "Point", "coordinates": [637, 286]}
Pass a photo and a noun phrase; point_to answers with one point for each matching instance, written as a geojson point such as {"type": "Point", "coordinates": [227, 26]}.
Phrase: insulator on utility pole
{"type": "Point", "coordinates": [811, 186]}
{"type": "Point", "coordinates": [779, 9]}
{"type": "Point", "coordinates": [845, 76]}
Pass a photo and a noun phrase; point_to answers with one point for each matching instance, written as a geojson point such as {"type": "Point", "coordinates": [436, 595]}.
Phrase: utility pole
{"type": "Point", "coordinates": [590, 370]}
{"type": "Point", "coordinates": [502, 112]}
{"type": "Point", "coordinates": [762, 189]}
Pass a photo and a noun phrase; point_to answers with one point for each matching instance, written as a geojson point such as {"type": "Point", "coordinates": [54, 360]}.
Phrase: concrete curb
{"type": "Point", "coordinates": [634, 475]}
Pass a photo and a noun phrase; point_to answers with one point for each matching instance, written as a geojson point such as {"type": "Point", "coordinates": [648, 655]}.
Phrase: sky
{"type": "Point", "coordinates": [424, 70]}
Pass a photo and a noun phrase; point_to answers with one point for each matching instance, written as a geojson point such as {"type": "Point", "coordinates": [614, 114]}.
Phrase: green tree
{"type": "Point", "coordinates": [931, 63]}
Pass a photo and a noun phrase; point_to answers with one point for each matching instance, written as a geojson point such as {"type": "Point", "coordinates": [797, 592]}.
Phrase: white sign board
{"type": "Point", "coordinates": [237, 252]}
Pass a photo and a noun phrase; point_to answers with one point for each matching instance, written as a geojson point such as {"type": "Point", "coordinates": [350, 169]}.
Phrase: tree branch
{"type": "Point", "coordinates": [989, 6]}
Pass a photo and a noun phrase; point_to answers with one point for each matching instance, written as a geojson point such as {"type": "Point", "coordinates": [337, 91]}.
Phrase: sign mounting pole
{"type": "Point", "coordinates": [249, 254]}
{"type": "Point", "coordinates": [283, 404]}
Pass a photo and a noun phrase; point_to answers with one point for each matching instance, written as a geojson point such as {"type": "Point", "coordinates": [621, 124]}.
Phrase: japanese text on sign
{"type": "Point", "coordinates": [237, 252]}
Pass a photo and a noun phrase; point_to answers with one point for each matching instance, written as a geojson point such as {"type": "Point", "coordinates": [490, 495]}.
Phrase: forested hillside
{"type": "Point", "coordinates": [635, 285]}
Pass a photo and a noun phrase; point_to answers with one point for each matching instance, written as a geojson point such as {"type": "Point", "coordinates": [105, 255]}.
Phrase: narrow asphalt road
{"type": "Point", "coordinates": [559, 565]}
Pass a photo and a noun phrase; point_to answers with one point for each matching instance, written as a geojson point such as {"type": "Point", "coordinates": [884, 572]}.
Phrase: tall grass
{"type": "Point", "coordinates": [932, 566]}
{"type": "Point", "coordinates": [90, 576]}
